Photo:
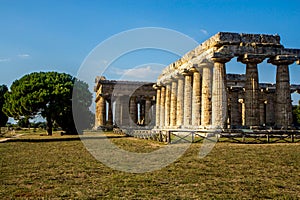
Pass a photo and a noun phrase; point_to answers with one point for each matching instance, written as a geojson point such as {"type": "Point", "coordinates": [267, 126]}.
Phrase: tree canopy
{"type": "Point", "coordinates": [3, 117]}
{"type": "Point", "coordinates": [296, 115]}
{"type": "Point", "coordinates": [48, 94]}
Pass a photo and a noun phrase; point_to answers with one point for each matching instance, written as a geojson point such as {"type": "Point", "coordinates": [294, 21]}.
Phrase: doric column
{"type": "Point", "coordinates": [118, 111]}
{"type": "Point", "coordinates": [187, 99]}
{"type": "Point", "coordinates": [283, 102]}
{"type": "Point", "coordinates": [196, 98]}
{"type": "Point", "coordinates": [133, 111]}
{"type": "Point", "coordinates": [162, 106]}
{"type": "Point", "coordinates": [180, 101]}
{"type": "Point", "coordinates": [167, 104]}
{"type": "Point", "coordinates": [125, 111]}
{"type": "Point", "coordinates": [173, 104]}
{"type": "Point", "coordinates": [251, 88]}
{"type": "Point", "coordinates": [206, 95]}
{"type": "Point", "coordinates": [110, 115]}
{"type": "Point", "coordinates": [142, 111]}
{"type": "Point", "coordinates": [157, 115]}
{"type": "Point", "coordinates": [219, 91]}
{"type": "Point", "coordinates": [235, 114]}
{"type": "Point", "coordinates": [102, 111]}
{"type": "Point", "coordinates": [262, 112]}
{"type": "Point", "coordinates": [147, 111]}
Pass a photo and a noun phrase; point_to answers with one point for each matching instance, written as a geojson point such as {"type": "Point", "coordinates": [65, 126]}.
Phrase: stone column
{"type": "Point", "coordinates": [270, 108]}
{"type": "Point", "coordinates": [147, 111]}
{"type": "Point", "coordinates": [187, 99]}
{"type": "Point", "coordinates": [142, 111]}
{"type": "Point", "coordinates": [162, 106]}
{"type": "Point", "coordinates": [167, 105]}
{"type": "Point", "coordinates": [251, 88]}
{"type": "Point", "coordinates": [235, 113]}
{"type": "Point", "coordinates": [242, 110]}
{"type": "Point", "coordinates": [173, 104]}
{"type": "Point", "coordinates": [262, 113]}
{"type": "Point", "coordinates": [118, 111]}
{"type": "Point", "coordinates": [206, 95]}
{"type": "Point", "coordinates": [283, 102]}
{"type": "Point", "coordinates": [196, 98]}
{"type": "Point", "coordinates": [219, 91]}
{"type": "Point", "coordinates": [110, 115]}
{"type": "Point", "coordinates": [133, 111]}
{"type": "Point", "coordinates": [125, 111]}
{"type": "Point", "coordinates": [157, 115]}
{"type": "Point", "coordinates": [102, 111]}
{"type": "Point", "coordinates": [180, 101]}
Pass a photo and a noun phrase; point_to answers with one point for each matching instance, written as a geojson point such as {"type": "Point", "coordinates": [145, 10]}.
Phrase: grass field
{"type": "Point", "coordinates": [34, 166]}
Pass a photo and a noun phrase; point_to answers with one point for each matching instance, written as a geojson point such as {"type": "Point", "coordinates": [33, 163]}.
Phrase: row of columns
{"type": "Point", "coordinates": [192, 98]}
{"type": "Point", "coordinates": [127, 111]}
{"type": "Point", "coordinates": [198, 97]}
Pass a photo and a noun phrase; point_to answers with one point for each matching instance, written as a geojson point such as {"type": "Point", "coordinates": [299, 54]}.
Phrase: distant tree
{"type": "Point", "coordinates": [296, 115]}
{"type": "Point", "coordinates": [48, 94]}
{"type": "Point", "coordinates": [3, 116]}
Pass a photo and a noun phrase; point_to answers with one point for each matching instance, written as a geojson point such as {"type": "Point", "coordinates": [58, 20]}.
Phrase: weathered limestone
{"type": "Point", "coordinates": [187, 99]}
{"type": "Point", "coordinates": [162, 106]}
{"type": "Point", "coordinates": [196, 98]}
{"type": "Point", "coordinates": [133, 111]}
{"type": "Point", "coordinates": [110, 114]}
{"type": "Point", "coordinates": [219, 92]}
{"type": "Point", "coordinates": [157, 115]}
{"type": "Point", "coordinates": [173, 105]}
{"type": "Point", "coordinates": [235, 113]}
{"type": "Point", "coordinates": [167, 105]}
{"type": "Point", "coordinates": [206, 95]}
{"type": "Point", "coordinates": [147, 110]}
{"type": "Point", "coordinates": [283, 106]}
{"type": "Point", "coordinates": [251, 88]}
{"type": "Point", "coordinates": [180, 101]}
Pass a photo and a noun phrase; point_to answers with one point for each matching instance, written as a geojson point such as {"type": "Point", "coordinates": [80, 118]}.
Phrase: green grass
{"type": "Point", "coordinates": [66, 170]}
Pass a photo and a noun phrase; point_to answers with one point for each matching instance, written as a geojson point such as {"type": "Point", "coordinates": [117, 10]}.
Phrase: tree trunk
{"type": "Point", "coordinates": [49, 125]}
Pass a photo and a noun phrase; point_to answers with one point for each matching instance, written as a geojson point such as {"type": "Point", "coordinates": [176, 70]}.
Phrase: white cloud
{"type": "Point", "coordinates": [205, 32]}
{"type": "Point", "coordinates": [23, 55]}
{"type": "Point", "coordinates": [4, 59]}
{"type": "Point", "coordinates": [143, 73]}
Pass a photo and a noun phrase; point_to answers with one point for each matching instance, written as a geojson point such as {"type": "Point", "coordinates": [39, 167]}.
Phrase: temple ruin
{"type": "Point", "coordinates": [195, 93]}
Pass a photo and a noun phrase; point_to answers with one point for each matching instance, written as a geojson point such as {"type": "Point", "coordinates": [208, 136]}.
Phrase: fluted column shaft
{"type": "Point", "coordinates": [110, 115]}
{"type": "Point", "coordinates": [283, 102]}
{"type": "Point", "coordinates": [206, 95]}
{"type": "Point", "coordinates": [180, 101]}
{"type": "Point", "coordinates": [147, 110]}
{"type": "Point", "coordinates": [102, 111]}
{"type": "Point", "coordinates": [162, 107]}
{"type": "Point", "coordinates": [196, 98]}
{"type": "Point", "coordinates": [252, 117]}
{"type": "Point", "coordinates": [133, 111]}
{"type": "Point", "coordinates": [235, 118]}
{"type": "Point", "coordinates": [187, 99]}
{"type": "Point", "coordinates": [157, 115]}
{"type": "Point", "coordinates": [167, 104]}
{"type": "Point", "coordinates": [219, 95]}
{"type": "Point", "coordinates": [173, 105]}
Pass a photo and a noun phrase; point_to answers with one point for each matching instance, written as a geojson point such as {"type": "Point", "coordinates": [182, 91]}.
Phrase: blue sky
{"type": "Point", "coordinates": [58, 35]}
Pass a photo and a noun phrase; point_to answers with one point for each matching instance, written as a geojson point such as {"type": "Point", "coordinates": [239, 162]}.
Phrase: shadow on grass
{"type": "Point", "coordinates": [63, 139]}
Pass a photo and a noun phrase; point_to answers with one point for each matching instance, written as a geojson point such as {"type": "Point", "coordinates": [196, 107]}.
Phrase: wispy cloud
{"type": "Point", "coordinates": [4, 59]}
{"type": "Point", "coordinates": [144, 73]}
{"type": "Point", "coordinates": [205, 32]}
{"type": "Point", "coordinates": [25, 55]}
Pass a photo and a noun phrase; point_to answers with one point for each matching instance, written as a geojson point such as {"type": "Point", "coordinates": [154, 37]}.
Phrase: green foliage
{"type": "Point", "coordinates": [48, 94]}
{"type": "Point", "coordinates": [3, 116]}
{"type": "Point", "coordinates": [296, 115]}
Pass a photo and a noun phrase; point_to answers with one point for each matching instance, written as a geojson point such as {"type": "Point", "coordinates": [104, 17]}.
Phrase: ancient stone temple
{"type": "Point", "coordinates": [195, 93]}
{"type": "Point", "coordinates": [123, 103]}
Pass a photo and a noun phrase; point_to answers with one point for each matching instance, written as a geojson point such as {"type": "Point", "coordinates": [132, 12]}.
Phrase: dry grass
{"type": "Point", "coordinates": [66, 170]}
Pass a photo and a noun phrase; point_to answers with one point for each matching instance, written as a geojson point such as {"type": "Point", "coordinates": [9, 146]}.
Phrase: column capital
{"type": "Point", "coordinates": [283, 60]}
{"type": "Point", "coordinates": [195, 69]}
{"type": "Point", "coordinates": [186, 72]}
{"type": "Point", "coordinates": [222, 57]}
{"type": "Point", "coordinates": [251, 58]}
